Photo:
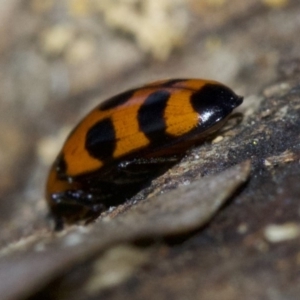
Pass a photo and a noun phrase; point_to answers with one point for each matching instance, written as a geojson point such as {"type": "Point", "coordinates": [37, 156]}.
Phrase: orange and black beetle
{"type": "Point", "coordinates": [128, 140]}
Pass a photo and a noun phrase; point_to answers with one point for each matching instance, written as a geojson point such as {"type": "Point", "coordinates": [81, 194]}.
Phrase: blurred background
{"type": "Point", "coordinates": [59, 58]}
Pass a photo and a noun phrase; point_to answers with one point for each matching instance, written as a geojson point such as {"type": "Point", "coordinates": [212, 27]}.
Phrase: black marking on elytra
{"type": "Point", "coordinates": [151, 115]}
{"type": "Point", "coordinates": [116, 100]}
{"type": "Point", "coordinates": [61, 166]}
{"type": "Point", "coordinates": [100, 140]}
{"type": "Point", "coordinates": [171, 82]}
{"type": "Point", "coordinates": [214, 102]}
{"type": "Point", "coordinates": [122, 98]}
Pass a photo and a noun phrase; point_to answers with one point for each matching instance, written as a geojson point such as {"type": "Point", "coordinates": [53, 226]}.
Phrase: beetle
{"type": "Point", "coordinates": [128, 140]}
